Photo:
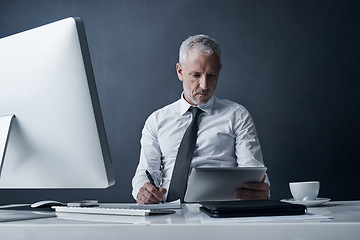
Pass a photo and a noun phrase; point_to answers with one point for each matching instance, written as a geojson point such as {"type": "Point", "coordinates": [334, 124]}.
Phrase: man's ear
{"type": "Point", "coordinates": [179, 71]}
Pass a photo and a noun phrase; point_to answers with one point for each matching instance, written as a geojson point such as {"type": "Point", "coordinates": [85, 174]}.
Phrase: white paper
{"type": "Point", "coordinates": [168, 205]}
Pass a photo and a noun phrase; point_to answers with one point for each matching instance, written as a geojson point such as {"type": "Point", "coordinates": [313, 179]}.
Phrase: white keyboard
{"type": "Point", "coordinates": [112, 211]}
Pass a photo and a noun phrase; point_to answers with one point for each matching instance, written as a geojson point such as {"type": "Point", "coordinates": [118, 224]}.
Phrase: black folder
{"type": "Point", "coordinates": [250, 208]}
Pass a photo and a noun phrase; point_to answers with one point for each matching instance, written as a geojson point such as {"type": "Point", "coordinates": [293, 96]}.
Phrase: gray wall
{"type": "Point", "coordinates": [293, 64]}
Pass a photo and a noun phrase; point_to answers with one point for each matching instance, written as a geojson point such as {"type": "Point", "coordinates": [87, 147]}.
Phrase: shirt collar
{"type": "Point", "coordinates": [205, 107]}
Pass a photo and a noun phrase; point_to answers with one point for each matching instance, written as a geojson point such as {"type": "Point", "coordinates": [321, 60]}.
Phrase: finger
{"type": "Point", "coordinates": [154, 193]}
{"type": "Point", "coordinates": [247, 194]}
{"type": "Point", "coordinates": [143, 200]}
{"type": "Point", "coordinates": [145, 196]}
{"type": "Point", "coordinates": [162, 190]}
{"type": "Point", "coordinates": [244, 193]}
{"type": "Point", "coordinates": [264, 178]}
{"type": "Point", "coordinates": [250, 197]}
{"type": "Point", "coordinates": [148, 194]}
{"type": "Point", "coordinates": [257, 186]}
{"type": "Point", "coordinates": [148, 197]}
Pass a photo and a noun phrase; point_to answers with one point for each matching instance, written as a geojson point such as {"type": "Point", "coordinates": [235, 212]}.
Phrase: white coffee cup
{"type": "Point", "coordinates": [304, 191]}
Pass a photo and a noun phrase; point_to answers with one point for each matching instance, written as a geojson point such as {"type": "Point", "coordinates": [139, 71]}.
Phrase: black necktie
{"type": "Point", "coordinates": [180, 173]}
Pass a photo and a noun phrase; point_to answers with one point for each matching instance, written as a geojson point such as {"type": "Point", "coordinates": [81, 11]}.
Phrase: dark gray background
{"type": "Point", "coordinates": [293, 64]}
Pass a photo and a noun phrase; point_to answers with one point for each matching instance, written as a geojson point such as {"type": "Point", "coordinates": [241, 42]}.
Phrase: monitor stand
{"type": "Point", "coordinates": [5, 125]}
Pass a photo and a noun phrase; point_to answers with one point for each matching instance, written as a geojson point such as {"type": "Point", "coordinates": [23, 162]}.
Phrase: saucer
{"type": "Point", "coordinates": [308, 203]}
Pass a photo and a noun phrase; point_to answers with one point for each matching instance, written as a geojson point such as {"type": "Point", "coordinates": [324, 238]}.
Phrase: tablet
{"type": "Point", "coordinates": [218, 184]}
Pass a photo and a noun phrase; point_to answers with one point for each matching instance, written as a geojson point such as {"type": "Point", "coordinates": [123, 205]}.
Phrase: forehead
{"type": "Point", "coordinates": [202, 60]}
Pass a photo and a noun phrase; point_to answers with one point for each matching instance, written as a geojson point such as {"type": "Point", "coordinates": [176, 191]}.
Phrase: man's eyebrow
{"type": "Point", "coordinates": [192, 72]}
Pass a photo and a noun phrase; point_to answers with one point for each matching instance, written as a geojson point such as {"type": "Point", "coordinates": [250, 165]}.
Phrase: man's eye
{"type": "Point", "coordinates": [195, 75]}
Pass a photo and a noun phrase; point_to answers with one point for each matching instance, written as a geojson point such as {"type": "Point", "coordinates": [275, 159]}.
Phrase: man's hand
{"type": "Point", "coordinates": [148, 194]}
{"type": "Point", "coordinates": [253, 191]}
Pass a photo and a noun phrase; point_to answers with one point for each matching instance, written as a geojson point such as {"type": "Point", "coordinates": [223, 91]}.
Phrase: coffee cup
{"type": "Point", "coordinates": [304, 191]}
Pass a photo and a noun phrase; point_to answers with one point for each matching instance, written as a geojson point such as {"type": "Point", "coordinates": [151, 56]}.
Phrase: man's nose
{"type": "Point", "coordinates": [203, 82]}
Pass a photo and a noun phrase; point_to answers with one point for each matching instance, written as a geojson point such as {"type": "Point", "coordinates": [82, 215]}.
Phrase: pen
{"type": "Point", "coordinates": [151, 180]}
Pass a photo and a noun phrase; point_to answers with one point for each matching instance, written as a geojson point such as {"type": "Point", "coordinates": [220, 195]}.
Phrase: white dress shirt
{"type": "Point", "coordinates": [226, 138]}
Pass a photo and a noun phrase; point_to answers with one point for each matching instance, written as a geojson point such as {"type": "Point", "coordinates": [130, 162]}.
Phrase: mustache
{"type": "Point", "coordinates": [202, 91]}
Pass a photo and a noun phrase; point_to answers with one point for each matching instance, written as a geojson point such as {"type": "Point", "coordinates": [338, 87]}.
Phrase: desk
{"type": "Point", "coordinates": [184, 224]}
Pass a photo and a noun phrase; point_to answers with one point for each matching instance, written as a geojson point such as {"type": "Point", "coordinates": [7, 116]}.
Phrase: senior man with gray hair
{"type": "Point", "coordinates": [225, 134]}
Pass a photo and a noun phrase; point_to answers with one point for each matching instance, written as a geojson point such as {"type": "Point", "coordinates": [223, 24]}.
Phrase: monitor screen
{"type": "Point", "coordinates": [57, 138]}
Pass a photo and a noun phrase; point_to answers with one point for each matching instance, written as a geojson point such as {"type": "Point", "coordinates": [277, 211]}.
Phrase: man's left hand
{"type": "Point", "coordinates": [253, 191]}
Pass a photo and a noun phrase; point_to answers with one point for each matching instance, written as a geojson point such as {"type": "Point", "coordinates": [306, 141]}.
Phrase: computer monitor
{"type": "Point", "coordinates": [57, 138]}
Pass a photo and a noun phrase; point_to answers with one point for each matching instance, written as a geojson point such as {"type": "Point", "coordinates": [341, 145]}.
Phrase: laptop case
{"type": "Point", "coordinates": [250, 208]}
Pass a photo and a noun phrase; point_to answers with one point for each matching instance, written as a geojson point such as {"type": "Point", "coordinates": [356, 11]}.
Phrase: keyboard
{"type": "Point", "coordinates": [112, 211]}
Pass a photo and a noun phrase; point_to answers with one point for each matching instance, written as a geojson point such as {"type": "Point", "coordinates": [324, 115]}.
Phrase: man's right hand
{"type": "Point", "coordinates": [148, 194]}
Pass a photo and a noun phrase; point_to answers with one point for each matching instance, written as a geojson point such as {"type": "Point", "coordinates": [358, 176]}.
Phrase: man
{"type": "Point", "coordinates": [226, 134]}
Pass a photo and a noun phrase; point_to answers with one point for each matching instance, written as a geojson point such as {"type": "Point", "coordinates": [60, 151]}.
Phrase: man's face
{"type": "Point", "coordinates": [199, 75]}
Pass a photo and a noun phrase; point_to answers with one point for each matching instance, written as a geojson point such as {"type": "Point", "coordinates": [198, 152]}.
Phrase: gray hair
{"type": "Point", "coordinates": [201, 43]}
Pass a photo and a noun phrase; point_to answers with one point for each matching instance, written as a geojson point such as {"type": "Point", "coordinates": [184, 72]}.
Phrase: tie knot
{"type": "Point", "coordinates": [195, 111]}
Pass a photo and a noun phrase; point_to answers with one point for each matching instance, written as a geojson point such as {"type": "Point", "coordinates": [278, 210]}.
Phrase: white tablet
{"type": "Point", "coordinates": [218, 184]}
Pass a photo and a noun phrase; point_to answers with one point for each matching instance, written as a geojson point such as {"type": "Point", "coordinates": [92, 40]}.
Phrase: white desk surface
{"type": "Point", "coordinates": [186, 224]}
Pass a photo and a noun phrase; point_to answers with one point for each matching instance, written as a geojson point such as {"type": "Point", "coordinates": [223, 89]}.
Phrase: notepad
{"type": "Point", "coordinates": [123, 209]}
{"type": "Point", "coordinates": [112, 211]}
